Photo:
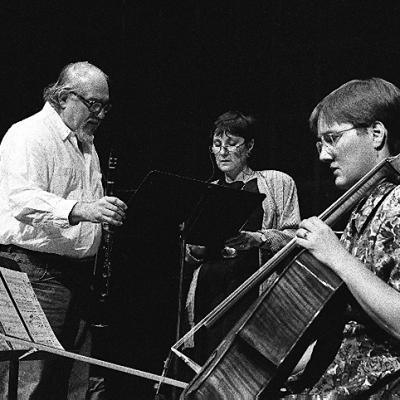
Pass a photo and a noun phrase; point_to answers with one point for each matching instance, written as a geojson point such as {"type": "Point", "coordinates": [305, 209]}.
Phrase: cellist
{"type": "Point", "coordinates": [357, 126]}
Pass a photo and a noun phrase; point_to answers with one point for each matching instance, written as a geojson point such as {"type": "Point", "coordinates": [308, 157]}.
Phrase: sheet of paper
{"type": "Point", "coordinates": [28, 305]}
{"type": "Point", "coordinates": [10, 320]}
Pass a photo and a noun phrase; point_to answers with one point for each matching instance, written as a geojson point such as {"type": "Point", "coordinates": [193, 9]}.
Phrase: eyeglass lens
{"type": "Point", "coordinates": [93, 105]}
{"type": "Point", "coordinates": [230, 148]}
{"type": "Point", "coordinates": [330, 139]}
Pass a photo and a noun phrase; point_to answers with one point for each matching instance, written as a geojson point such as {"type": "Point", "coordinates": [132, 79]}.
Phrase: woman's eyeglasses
{"type": "Point", "coordinates": [215, 149]}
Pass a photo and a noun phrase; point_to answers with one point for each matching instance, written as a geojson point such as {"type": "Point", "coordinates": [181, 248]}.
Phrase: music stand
{"type": "Point", "coordinates": [26, 334]}
{"type": "Point", "coordinates": [211, 213]}
{"type": "Point", "coordinates": [36, 351]}
{"type": "Point", "coordinates": [206, 214]}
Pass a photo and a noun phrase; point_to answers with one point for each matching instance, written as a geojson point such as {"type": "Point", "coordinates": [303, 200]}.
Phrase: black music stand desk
{"type": "Point", "coordinates": [210, 213]}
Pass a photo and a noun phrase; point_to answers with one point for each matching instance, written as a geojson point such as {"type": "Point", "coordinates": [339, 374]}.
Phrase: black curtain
{"type": "Point", "coordinates": [173, 69]}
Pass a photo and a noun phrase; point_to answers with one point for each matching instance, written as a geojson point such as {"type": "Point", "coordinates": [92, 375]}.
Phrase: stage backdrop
{"type": "Point", "coordinates": [174, 68]}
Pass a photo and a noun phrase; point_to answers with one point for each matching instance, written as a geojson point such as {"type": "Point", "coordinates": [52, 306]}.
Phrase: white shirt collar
{"type": "Point", "coordinates": [55, 122]}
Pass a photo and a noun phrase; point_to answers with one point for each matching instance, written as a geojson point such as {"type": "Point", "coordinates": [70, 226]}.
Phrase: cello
{"type": "Point", "coordinates": [259, 353]}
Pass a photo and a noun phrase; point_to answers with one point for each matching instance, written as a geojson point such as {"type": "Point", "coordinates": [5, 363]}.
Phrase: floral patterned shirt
{"type": "Point", "coordinates": [367, 353]}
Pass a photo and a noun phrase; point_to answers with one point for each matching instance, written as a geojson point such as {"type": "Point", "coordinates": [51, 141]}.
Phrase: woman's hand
{"type": "Point", "coordinates": [321, 241]}
{"type": "Point", "coordinates": [194, 254]}
{"type": "Point", "coordinates": [245, 240]}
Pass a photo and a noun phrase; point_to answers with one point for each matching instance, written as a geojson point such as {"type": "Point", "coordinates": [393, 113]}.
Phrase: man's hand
{"type": "Point", "coordinates": [108, 209]}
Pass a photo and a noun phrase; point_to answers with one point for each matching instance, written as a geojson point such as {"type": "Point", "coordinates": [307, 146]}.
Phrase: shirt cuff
{"type": "Point", "coordinates": [62, 211]}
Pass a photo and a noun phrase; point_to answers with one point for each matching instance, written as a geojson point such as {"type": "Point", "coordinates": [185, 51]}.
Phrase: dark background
{"type": "Point", "coordinates": [174, 67]}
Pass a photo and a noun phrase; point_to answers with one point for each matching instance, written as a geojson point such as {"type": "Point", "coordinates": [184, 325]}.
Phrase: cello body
{"type": "Point", "coordinates": [255, 359]}
{"type": "Point", "coordinates": [259, 353]}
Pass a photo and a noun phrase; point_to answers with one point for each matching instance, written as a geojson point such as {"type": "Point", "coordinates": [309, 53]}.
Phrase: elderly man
{"type": "Point", "coordinates": [51, 209]}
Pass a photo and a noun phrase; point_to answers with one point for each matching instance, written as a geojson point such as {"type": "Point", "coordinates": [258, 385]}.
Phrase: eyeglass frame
{"type": "Point", "coordinates": [229, 148]}
{"type": "Point", "coordinates": [106, 107]}
{"type": "Point", "coordinates": [334, 137]}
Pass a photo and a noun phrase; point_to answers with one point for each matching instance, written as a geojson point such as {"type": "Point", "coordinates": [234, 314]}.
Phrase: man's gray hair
{"type": "Point", "coordinates": [68, 78]}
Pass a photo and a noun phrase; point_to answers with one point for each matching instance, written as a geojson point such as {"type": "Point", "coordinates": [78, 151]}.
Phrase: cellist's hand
{"type": "Point", "coordinates": [321, 241]}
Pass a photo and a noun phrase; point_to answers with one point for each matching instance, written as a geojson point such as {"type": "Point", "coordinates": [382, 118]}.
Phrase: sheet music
{"type": "Point", "coordinates": [10, 321]}
{"type": "Point", "coordinates": [29, 308]}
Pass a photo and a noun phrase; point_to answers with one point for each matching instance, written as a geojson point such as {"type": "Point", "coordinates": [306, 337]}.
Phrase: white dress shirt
{"type": "Point", "coordinates": [43, 174]}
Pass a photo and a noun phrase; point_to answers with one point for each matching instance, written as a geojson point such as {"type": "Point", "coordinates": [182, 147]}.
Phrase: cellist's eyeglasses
{"type": "Point", "coordinates": [331, 138]}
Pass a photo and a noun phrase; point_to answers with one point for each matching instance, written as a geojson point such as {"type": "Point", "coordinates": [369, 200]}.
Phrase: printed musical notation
{"type": "Point", "coordinates": [21, 315]}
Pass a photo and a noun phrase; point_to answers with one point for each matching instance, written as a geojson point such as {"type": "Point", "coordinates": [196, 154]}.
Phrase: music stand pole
{"type": "Point", "coordinates": [182, 252]}
{"type": "Point", "coordinates": [13, 379]}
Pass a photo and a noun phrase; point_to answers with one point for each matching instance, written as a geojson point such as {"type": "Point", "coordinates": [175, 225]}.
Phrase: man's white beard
{"type": "Point", "coordinates": [84, 137]}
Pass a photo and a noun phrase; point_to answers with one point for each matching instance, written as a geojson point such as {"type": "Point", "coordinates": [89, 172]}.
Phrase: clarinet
{"type": "Point", "coordinates": [103, 263]}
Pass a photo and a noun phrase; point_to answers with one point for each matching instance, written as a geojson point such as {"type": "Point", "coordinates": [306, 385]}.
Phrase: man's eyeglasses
{"type": "Point", "coordinates": [93, 106]}
{"type": "Point", "coordinates": [330, 139]}
{"type": "Point", "coordinates": [215, 149]}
